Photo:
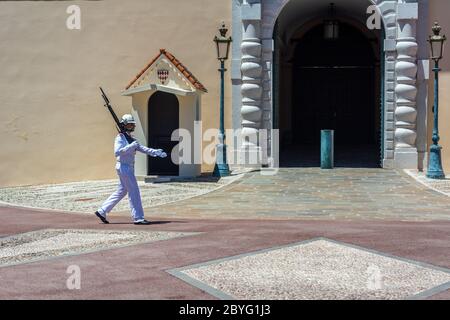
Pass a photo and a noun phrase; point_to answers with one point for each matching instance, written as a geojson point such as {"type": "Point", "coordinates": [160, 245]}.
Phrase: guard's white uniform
{"type": "Point", "coordinates": [125, 154]}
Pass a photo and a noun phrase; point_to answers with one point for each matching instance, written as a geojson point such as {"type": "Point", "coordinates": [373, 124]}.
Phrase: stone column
{"type": "Point", "coordinates": [271, 86]}
{"type": "Point", "coordinates": [406, 90]}
{"type": "Point", "coordinates": [251, 88]}
{"type": "Point", "coordinates": [388, 10]}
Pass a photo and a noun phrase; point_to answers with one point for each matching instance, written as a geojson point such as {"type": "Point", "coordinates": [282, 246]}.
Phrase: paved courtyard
{"type": "Point", "coordinates": [87, 196]}
{"type": "Point", "coordinates": [312, 193]}
{"type": "Point", "coordinates": [290, 193]}
{"type": "Point", "coordinates": [303, 233]}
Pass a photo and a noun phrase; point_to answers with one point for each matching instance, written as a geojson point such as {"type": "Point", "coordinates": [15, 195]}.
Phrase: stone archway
{"type": "Point", "coordinates": [328, 84]}
{"type": "Point", "coordinates": [253, 94]}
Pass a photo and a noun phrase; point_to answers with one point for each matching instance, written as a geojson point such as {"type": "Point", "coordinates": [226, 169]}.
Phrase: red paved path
{"type": "Point", "coordinates": [138, 272]}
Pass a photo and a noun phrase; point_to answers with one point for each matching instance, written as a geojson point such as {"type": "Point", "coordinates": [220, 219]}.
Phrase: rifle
{"type": "Point", "coordinates": [120, 126]}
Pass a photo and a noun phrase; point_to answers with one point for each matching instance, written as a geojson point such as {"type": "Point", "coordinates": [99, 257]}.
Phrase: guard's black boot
{"type": "Point", "coordinates": [142, 222]}
{"type": "Point", "coordinates": [101, 217]}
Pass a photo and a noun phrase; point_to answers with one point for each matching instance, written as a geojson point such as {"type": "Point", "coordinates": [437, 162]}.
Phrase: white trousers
{"type": "Point", "coordinates": [127, 184]}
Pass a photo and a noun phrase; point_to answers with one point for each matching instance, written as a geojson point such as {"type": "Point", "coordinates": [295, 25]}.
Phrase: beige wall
{"type": "Point", "coordinates": [439, 11]}
{"type": "Point", "coordinates": [53, 125]}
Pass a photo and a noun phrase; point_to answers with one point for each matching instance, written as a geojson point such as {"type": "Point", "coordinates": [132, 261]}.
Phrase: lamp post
{"type": "Point", "coordinates": [221, 168]}
{"type": "Point", "coordinates": [437, 47]}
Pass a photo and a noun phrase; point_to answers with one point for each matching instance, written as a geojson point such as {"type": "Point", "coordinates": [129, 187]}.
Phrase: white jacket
{"type": "Point", "coordinates": [125, 152]}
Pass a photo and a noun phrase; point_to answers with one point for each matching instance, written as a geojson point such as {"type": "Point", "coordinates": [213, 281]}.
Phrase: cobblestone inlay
{"type": "Point", "coordinates": [318, 269]}
{"type": "Point", "coordinates": [50, 243]}
{"type": "Point", "coordinates": [88, 196]}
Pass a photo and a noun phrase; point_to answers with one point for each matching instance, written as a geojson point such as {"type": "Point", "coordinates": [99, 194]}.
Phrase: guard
{"type": "Point", "coordinates": [125, 153]}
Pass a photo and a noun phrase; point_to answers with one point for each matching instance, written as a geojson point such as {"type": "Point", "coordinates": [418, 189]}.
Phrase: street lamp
{"type": "Point", "coordinates": [221, 168]}
{"type": "Point", "coordinates": [437, 49]}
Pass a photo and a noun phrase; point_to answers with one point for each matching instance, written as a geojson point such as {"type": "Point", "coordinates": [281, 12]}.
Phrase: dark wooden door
{"type": "Point", "coordinates": [334, 87]}
{"type": "Point", "coordinates": [334, 98]}
{"type": "Point", "coordinates": [163, 119]}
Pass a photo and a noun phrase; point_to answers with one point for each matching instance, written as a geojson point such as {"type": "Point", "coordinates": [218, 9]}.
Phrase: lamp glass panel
{"type": "Point", "coordinates": [222, 49]}
{"type": "Point", "coordinates": [217, 48]}
{"type": "Point", "coordinates": [435, 48]}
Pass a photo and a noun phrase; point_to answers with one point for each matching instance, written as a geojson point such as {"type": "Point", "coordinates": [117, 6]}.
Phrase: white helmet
{"type": "Point", "coordinates": [127, 118]}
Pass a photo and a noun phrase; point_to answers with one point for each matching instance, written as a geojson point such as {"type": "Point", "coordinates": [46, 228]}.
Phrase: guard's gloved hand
{"type": "Point", "coordinates": [161, 153]}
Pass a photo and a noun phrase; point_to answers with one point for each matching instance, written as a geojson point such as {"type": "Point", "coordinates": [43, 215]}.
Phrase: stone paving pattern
{"type": "Point", "coordinates": [320, 270]}
{"type": "Point", "coordinates": [341, 193]}
{"type": "Point", "coordinates": [88, 196]}
{"type": "Point", "coordinates": [439, 185]}
{"type": "Point", "coordinates": [43, 244]}
{"type": "Point", "coordinates": [292, 193]}
{"type": "Point", "coordinates": [383, 210]}
{"type": "Point", "coordinates": [141, 271]}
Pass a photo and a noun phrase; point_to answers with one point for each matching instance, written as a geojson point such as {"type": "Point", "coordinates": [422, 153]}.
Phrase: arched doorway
{"type": "Point", "coordinates": [163, 119]}
{"type": "Point", "coordinates": [330, 84]}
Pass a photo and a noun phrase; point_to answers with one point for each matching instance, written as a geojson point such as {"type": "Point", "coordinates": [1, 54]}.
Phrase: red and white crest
{"type": "Point", "coordinates": [163, 74]}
